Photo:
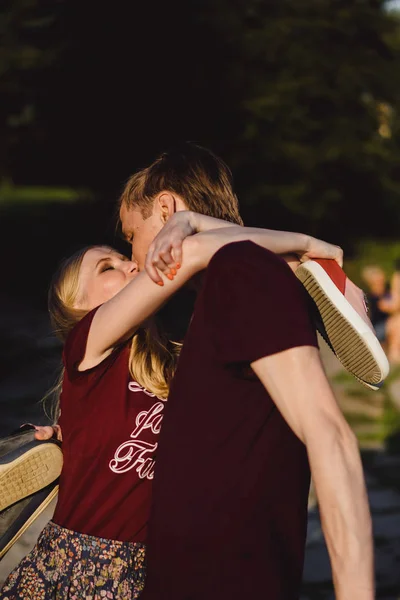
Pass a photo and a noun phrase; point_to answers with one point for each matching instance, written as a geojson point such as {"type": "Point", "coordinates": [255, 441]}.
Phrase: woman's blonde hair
{"type": "Point", "coordinates": [153, 357]}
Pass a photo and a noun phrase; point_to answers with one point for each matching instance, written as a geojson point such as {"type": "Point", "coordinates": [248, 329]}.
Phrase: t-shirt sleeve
{"type": "Point", "coordinates": [75, 345]}
{"type": "Point", "coordinates": [254, 304]}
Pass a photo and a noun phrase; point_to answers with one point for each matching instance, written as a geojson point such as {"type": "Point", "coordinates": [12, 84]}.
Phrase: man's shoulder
{"type": "Point", "coordinates": [245, 253]}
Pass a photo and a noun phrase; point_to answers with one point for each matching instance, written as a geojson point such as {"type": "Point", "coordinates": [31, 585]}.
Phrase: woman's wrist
{"type": "Point", "coordinates": [189, 219]}
{"type": "Point", "coordinates": [305, 241]}
{"type": "Point", "coordinates": [202, 223]}
{"type": "Point", "coordinates": [194, 220]}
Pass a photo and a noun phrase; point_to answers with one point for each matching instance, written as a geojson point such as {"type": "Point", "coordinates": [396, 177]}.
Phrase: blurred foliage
{"type": "Point", "coordinates": [29, 47]}
{"type": "Point", "coordinates": [319, 84]}
{"type": "Point", "coordinates": [367, 252]}
{"type": "Point", "coordinates": [10, 194]}
{"type": "Point", "coordinates": [301, 97]}
{"type": "Point", "coordinates": [378, 430]}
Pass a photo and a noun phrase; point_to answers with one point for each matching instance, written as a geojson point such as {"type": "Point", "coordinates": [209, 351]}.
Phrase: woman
{"type": "Point", "coordinates": [117, 370]}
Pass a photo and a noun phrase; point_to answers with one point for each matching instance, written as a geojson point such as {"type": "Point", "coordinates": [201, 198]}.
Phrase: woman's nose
{"type": "Point", "coordinates": [131, 266]}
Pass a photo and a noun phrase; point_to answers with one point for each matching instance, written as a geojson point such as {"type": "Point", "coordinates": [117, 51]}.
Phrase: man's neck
{"type": "Point", "coordinates": [176, 314]}
{"type": "Point", "coordinates": [196, 282]}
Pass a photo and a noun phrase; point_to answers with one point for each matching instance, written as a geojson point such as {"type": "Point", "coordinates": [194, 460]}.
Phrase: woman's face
{"type": "Point", "coordinates": [104, 272]}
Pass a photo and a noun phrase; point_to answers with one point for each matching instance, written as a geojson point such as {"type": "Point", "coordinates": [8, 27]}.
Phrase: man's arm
{"type": "Point", "coordinates": [307, 403]}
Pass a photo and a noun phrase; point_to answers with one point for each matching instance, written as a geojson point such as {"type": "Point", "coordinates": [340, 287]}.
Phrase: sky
{"type": "Point", "coordinates": [393, 4]}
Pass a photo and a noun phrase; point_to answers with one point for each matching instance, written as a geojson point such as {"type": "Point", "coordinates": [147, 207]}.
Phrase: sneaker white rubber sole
{"type": "Point", "coordinates": [29, 473]}
{"type": "Point", "coordinates": [29, 521]}
{"type": "Point", "coordinates": [353, 342]}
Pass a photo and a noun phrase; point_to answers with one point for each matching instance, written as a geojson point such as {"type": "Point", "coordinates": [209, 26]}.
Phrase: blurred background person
{"type": "Point", "coordinates": [390, 306]}
{"type": "Point", "coordinates": [378, 289]}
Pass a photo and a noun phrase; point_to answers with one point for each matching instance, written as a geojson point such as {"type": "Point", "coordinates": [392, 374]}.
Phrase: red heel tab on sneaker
{"type": "Point", "coordinates": [335, 272]}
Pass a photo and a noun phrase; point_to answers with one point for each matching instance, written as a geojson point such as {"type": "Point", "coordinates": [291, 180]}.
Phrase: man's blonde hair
{"type": "Point", "coordinates": [195, 174]}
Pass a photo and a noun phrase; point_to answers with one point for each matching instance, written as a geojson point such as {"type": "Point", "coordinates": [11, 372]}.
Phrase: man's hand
{"type": "Point", "coordinates": [46, 432]}
{"type": "Point", "coordinates": [319, 249]}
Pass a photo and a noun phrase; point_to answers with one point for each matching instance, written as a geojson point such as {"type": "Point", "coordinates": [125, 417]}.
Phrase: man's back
{"type": "Point", "coordinates": [231, 482]}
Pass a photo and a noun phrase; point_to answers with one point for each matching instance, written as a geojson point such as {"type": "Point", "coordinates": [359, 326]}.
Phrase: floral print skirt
{"type": "Point", "coordinates": [69, 565]}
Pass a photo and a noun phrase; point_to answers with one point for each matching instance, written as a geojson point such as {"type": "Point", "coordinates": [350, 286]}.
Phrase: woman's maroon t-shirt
{"type": "Point", "coordinates": [110, 428]}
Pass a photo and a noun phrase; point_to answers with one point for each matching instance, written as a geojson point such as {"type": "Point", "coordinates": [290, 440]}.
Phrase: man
{"type": "Point", "coordinates": [249, 402]}
{"type": "Point", "coordinates": [193, 178]}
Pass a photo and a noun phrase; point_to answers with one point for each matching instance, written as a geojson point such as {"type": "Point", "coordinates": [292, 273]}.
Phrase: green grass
{"type": "Point", "coordinates": [353, 387]}
{"type": "Point", "coordinates": [357, 418]}
{"type": "Point", "coordinates": [390, 418]}
{"type": "Point", "coordinates": [387, 425]}
{"type": "Point", "coordinates": [385, 429]}
{"type": "Point", "coordinates": [394, 374]}
{"type": "Point", "coordinates": [343, 377]}
{"type": "Point", "coordinates": [360, 392]}
{"type": "Point", "coordinates": [371, 436]}
{"type": "Point", "coordinates": [29, 194]}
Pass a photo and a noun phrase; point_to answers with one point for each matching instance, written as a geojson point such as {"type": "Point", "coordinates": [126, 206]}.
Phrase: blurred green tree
{"type": "Point", "coordinates": [317, 89]}
{"type": "Point", "coordinates": [29, 46]}
{"type": "Point", "coordinates": [301, 97]}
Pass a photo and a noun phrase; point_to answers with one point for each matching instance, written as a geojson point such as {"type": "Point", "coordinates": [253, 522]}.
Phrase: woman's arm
{"type": "Point", "coordinates": [117, 320]}
{"type": "Point", "coordinates": [166, 250]}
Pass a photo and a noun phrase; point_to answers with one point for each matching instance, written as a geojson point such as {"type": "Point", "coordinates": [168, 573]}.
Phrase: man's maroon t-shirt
{"type": "Point", "coordinates": [110, 428]}
{"type": "Point", "coordinates": [231, 481]}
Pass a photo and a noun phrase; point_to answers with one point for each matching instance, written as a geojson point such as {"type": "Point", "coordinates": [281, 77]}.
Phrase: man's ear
{"type": "Point", "coordinates": [167, 205]}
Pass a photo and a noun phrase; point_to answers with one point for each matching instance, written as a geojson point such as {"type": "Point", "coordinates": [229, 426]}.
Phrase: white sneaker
{"type": "Point", "coordinates": [344, 322]}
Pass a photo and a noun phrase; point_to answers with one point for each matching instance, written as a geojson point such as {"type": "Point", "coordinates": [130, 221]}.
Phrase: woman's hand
{"type": "Point", "coordinates": [46, 432]}
{"type": "Point", "coordinates": [165, 252]}
{"type": "Point", "coordinates": [319, 249]}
